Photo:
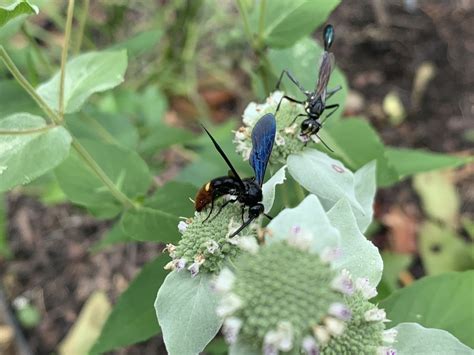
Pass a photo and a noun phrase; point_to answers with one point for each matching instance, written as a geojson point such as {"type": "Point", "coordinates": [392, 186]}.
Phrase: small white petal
{"type": "Point", "coordinates": [285, 329]}
{"type": "Point", "coordinates": [300, 239]}
{"type": "Point", "coordinates": [170, 266]}
{"type": "Point", "coordinates": [330, 254]}
{"type": "Point", "coordinates": [340, 310]}
{"type": "Point", "coordinates": [335, 326]}
{"type": "Point", "coordinates": [383, 350]}
{"type": "Point", "coordinates": [291, 129]}
{"type": "Point", "coordinates": [309, 346]}
{"type": "Point", "coordinates": [231, 329]}
{"type": "Point", "coordinates": [224, 281]}
{"type": "Point", "coordinates": [303, 138]}
{"type": "Point", "coordinates": [363, 285]}
{"type": "Point", "coordinates": [180, 264]}
{"type": "Point", "coordinates": [343, 283]}
{"type": "Point", "coordinates": [248, 244]}
{"type": "Point", "coordinates": [279, 139]}
{"type": "Point", "coordinates": [228, 305]}
{"type": "Point", "coordinates": [194, 269]}
{"type": "Point", "coordinates": [322, 334]}
{"type": "Point", "coordinates": [240, 134]}
{"type": "Point", "coordinates": [171, 249]}
{"type": "Point", "coordinates": [389, 336]}
{"type": "Point", "coordinates": [182, 226]}
{"type": "Point", "coordinates": [375, 315]}
{"type": "Point", "coordinates": [212, 246]}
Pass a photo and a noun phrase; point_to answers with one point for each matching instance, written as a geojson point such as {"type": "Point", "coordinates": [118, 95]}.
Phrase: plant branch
{"type": "Point", "coordinates": [67, 37]}
{"type": "Point", "coordinates": [119, 195]}
{"type": "Point", "coordinates": [27, 86]}
{"type": "Point", "coordinates": [27, 131]}
{"type": "Point", "coordinates": [261, 21]}
{"type": "Point", "coordinates": [245, 19]}
{"type": "Point", "coordinates": [81, 27]}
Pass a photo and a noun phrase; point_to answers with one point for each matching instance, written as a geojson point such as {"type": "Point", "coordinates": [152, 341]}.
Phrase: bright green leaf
{"type": "Point", "coordinates": [442, 250]}
{"type": "Point", "coordinates": [323, 176]}
{"type": "Point", "coordinates": [132, 319]}
{"type": "Point", "coordinates": [325, 235]}
{"type": "Point", "coordinates": [356, 143]}
{"type": "Point", "coordinates": [443, 301]}
{"type": "Point", "coordinates": [439, 197]}
{"type": "Point", "coordinates": [302, 60]}
{"type": "Point", "coordinates": [412, 339]}
{"type": "Point", "coordinates": [285, 22]}
{"type": "Point", "coordinates": [85, 75]}
{"type": "Point", "coordinates": [359, 255]}
{"type": "Point", "coordinates": [185, 308]}
{"type": "Point", "coordinates": [15, 9]}
{"type": "Point", "coordinates": [411, 161]}
{"type": "Point", "coordinates": [158, 219]}
{"type": "Point", "coordinates": [24, 157]}
{"type": "Point", "coordinates": [124, 167]}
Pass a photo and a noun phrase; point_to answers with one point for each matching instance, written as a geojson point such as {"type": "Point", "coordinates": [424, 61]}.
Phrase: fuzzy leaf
{"type": "Point", "coordinates": [268, 188]}
{"type": "Point", "coordinates": [85, 75]}
{"type": "Point", "coordinates": [365, 188]}
{"type": "Point", "coordinates": [412, 339]}
{"type": "Point", "coordinates": [185, 308]}
{"type": "Point", "coordinates": [359, 255]}
{"type": "Point", "coordinates": [15, 9]}
{"type": "Point", "coordinates": [24, 157]}
{"type": "Point", "coordinates": [304, 216]}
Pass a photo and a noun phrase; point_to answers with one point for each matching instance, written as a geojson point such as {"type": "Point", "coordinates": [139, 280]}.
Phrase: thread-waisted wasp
{"type": "Point", "coordinates": [247, 191]}
{"type": "Point", "coordinates": [315, 102]}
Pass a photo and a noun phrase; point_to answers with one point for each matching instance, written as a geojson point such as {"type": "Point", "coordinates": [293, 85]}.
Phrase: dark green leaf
{"type": "Point", "coordinates": [285, 22]}
{"type": "Point", "coordinates": [356, 143]}
{"type": "Point", "coordinates": [132, 319]}
{"type": "Point", "coordinates": [123, 166]}
{"type": "Point", "coordinates": [442, 301]}
{"type": "Point", "coordinates": [114, 235]}
{"type": "Point", "coordinates": [163, 136]}
{"type": "Point", "coordinates": [17, 8]}
{"type": "Point", "coordinates": [302, 60]}
{"type": "Point", "coordinates": [24, 157]}
{"type": "Point", "coordinates": [411, 161]}
{"type": "Point", "coordinates": [85, 75]}
{"type": "Point", "coordinates": [14, 99]}
{"type": "Point", "coordinates": [158, 220]}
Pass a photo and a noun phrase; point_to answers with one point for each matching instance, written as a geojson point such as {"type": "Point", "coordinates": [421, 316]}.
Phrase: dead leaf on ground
{"type": "Point", "coordinates": [402, 231]}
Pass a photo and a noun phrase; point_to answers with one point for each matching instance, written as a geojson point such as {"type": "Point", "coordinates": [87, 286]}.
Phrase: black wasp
{"type": "Point", "coordinates": [247, 191]}
{"type": "Point", "coordinates": [315, 102]}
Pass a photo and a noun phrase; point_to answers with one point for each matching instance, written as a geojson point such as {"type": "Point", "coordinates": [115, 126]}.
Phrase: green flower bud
{"type": "Point", "coordinates": [205, 246]}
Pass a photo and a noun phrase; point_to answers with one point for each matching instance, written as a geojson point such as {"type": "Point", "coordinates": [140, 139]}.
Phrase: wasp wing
{"type": "Point", "coordinates": [263, 136]}
{"type": "Point", "coordinates": [325, 69]}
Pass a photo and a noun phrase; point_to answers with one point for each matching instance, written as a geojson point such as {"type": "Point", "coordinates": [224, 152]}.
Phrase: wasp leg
{"type": "Point", "coordinates": [210, 212]}
{"type": "Point", "coordinates": [333, 91]}
{"type": "Point", "coordinates": [289, 99]}
{"type": "Point", "coordinates": [245, 224]}
{"type": "Point", "coordinates": [223, 205]}
{"type": "Point", "coordinates": [335, 107]}
{"type": "Point", "coordinates": [300, 115]}
{"type": "Point", "coordinates": [288, 74]}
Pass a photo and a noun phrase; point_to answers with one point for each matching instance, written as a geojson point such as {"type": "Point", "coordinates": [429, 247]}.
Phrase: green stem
{"type": "Point", "coordinates": [119, 195]}
{"type": "Point", "coordinates": [245, 19]}
{"type": "Point", "coordinates": [27, 86]}
{"type": "Point", "coordinates": [27, 131]}
{"type": "Point", "coordinates": [67, 37]}
{"type": "Point", "coordinates": [261, 21]}
{"type": "Point", "coordinates": [81, 27]}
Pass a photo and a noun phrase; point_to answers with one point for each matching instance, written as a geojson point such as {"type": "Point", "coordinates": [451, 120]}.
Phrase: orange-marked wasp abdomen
{"type": "Point", "coordinates": [248, 191]}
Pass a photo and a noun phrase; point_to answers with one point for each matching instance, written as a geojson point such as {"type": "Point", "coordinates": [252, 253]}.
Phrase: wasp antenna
{"type": "Point", "coordinates": [324, 143]}
{"type": "Point", "coordinates": [269, 217]}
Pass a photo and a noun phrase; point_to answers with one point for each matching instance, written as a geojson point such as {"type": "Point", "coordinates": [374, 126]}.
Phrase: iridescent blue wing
{"type": "Point", "coordinates": [263, 136]}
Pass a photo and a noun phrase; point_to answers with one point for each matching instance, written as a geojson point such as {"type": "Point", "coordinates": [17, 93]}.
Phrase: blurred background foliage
{"type": "Point", "coordinates": [201, 62]}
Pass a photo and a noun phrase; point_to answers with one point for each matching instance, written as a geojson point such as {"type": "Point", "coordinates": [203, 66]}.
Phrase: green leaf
{"type": "Point", "coordinates": [14, 99]}
{"type": "Point", "coordinates": [85, 75]}
{"type": "Point", "coordinates": [185, 308]}
{"type": "Point", "coordinates": [359, 255]}
{"type": "Point", "coordinates": [412, 339]}
{"type": "Point", "coordinates": [439, 197]}
{"type": "Point", "coordinates": [24, 157]}
{"type": "Point", "coordinates": [123, 166]}
{"type": "Point", "coordinates": [285, 22]}
{"type": "Point", "coordinates": [302, 60]}
{"type": "Point", "coordinates": [114, 235]}
{"type": "Point", "coordinates": [268, 188]}
{"type": "Point", "coordinates": [141, 43]}
{"type": "Point", "coordinates": [442, 250]}
{"type": "Point", "coordinates": [159, 218]}
{"type": "Point", "coordinates": [323, 176]}
{"type": "Point", "coordinates": [365, 188]}
{"type": "Point", "coordinates": [443, 301]}
{"type": "Point", "coordinates": [241, 348]}
{"type": "Point", "coordinates": [17, 8]}
{"type": "Point", "coordinates": [324, 234]}
{"type": "Point", "coordinates": [356, 143]}
{"type": "Point", "coordinates": [132, 319]}
{"type": "Point", "coordinates": [411, 161]}
{"type": "Point", "coordinates": [163, 136]}
{"type": "Point", "coordinates": [393, 265]}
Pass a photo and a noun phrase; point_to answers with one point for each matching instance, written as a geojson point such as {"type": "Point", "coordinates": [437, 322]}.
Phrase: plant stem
{"type": "Point", "coordinates": [81, 27]}
{"type": "Point", "coordinates": [245, 18]}
{"type": "Point", "coordinates": [119, 195]}
{"type": "Point", "coordinates": [67, 37]}
{"type": "Point", "coordinates": [261, 21]}
{"type": "Point", "coordinates": [27, 86]}
{"type": "Point", "coordinates": [27, 131]}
